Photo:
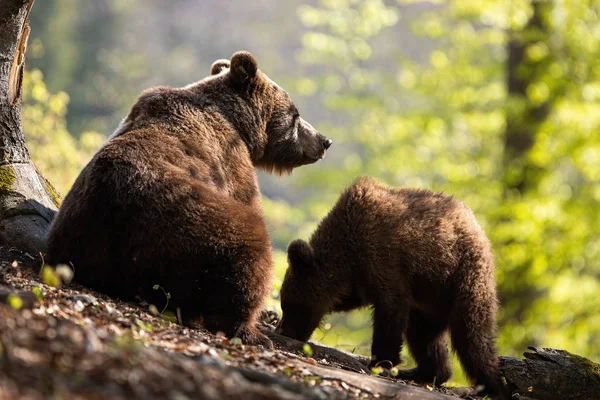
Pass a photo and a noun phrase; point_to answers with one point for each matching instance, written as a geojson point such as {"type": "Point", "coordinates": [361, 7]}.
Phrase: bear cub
{"type": "Point", "coordinates": [172, 198]}
{"type": "Point", "coordinates": [424, 264]}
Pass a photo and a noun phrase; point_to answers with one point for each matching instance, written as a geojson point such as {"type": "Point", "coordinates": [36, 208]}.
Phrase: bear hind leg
{"type": "Point", "coordinates": [427, 344]}
{"type": "Point", "coordinates": [233, 307]}
{"type": "Point", "coordinates": [473, 334]}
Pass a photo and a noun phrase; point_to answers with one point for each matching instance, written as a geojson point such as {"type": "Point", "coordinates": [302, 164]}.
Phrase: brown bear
{"type": "Point", "coordinates": [172, 199]}
{"type": "Point", "coordinates": [421, 260]}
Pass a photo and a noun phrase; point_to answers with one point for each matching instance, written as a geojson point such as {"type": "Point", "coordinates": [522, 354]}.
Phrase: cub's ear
{"type": "Point", "coordinates": [243, 68]}
{"type": "Point", "coordinates": [218, 66]}
{"type": "Point", "coordinates": [300, 254]}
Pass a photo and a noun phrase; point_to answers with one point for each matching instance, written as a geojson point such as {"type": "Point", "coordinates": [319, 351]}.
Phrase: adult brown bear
{"type": "Point", "coordinates": [172, 198]}
{"type": "Point", "coordinates": [421, 260]}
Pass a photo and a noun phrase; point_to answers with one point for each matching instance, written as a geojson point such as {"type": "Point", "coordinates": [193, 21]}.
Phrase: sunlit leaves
{"type": "Point", "coordinates": [55, 152]}
{"type": "Point", "coordinates": [440, 123]}
{"type": "Point", "coordinates": [349, 26]}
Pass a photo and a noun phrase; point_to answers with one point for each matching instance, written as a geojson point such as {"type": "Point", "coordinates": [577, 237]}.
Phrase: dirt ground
{"type": "Point", "coordinates": [73, 343]}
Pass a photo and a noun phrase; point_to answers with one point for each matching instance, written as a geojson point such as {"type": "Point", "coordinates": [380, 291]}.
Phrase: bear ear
{"type": "Point", "coordinates": [218, 66]}
{"type": "Point", "coordinates": [243, 68]}
{"type": "Point", "coordinates": [300, 254]}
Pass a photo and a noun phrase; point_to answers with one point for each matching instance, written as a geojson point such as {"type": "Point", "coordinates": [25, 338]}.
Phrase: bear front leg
{"type": "Point", "coordinates": [389, 324]}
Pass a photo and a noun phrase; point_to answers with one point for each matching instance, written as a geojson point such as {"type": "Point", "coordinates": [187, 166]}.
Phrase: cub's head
{"type": "Point", "coordinates": [302, 299]}
{"type": "Point", "coordinates": [278, 138]}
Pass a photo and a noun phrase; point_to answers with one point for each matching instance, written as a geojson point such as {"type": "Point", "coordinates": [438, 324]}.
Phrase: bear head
{"type": "Point", "coordinates": [278, 138]}
{"type": "Point", "coordinates": [301, 296]}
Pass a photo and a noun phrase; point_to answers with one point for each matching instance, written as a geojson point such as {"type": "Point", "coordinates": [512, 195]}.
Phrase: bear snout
{"type": "Point", "coordinates": [325, 144]}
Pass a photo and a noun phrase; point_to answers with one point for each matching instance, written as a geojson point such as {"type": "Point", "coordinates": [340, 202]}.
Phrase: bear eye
{"type": "Point", "coordinates": [294, 123]}
{"type": "Point", "coordinates": [294, 111]}
{"type": "Point", "coordinates": [295, 126]}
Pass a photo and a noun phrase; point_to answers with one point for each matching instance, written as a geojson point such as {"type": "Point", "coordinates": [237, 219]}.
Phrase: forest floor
{"type": "Point", "coordinates": [73, 343]}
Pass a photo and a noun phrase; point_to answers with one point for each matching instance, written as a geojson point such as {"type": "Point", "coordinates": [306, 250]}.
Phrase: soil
{"type": "Point", "coordinates": [72, 343]}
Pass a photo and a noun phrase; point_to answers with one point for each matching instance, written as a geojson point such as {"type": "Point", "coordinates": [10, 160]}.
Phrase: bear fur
{"type": "Point", "coordinates": [172, 199]}
{"type": "Point", "coordinates": [424, 264]}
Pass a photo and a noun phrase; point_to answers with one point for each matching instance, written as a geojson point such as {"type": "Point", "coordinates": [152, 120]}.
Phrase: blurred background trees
{"type": "Point", "coordinates": [495, 102]}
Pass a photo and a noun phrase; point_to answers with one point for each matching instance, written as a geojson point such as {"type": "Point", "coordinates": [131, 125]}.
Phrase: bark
{"type": "Point", "coordinates": [27, 201]}
{"type": "Point", "coordinates": [324, 354]}
{"type": "Point", "coordinates": [550, 374]}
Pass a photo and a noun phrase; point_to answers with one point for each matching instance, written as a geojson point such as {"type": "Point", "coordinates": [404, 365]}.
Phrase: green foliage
{"type": "Point", "coordinates": [58, 155]}
{"type": "Point", "coordinates": [143, 326]}
{"type": "Point", "coordinates": [37, 292]}
{"type": "Point", "coordinates": [167, 296]}
{"type": "Point", "coordinates": [441, 120]}
{"type": "Point", "coordinates": [55, 277]}
{"type": "Point", "coordinates": [86, 50]}
{"type": "Point", "coordinates": [49, 276]}
{"type": "Point", "coordinates": [14, 301]}
{"type": "Point", "coordinates": [306, 349]}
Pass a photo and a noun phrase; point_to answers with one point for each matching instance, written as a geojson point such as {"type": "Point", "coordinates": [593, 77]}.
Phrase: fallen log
{"type": "Point", "coordinates": [334, 364]}
{"type": "Point", "coordinates": [551, 374]}
{"type": "Point", "coordinates": [323, 354]}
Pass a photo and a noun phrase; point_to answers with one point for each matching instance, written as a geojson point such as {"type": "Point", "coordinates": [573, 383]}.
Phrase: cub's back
{"type": "Point", "coordinates": [402, 210]}
{"type": "Point", "coordinates": [415, 228]}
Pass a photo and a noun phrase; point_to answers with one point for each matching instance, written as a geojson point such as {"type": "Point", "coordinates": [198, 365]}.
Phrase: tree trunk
{"type": "Point", "coordinates": [523, 120]}
{"type": "Point", "coordinates": [27, 201]}
{"type": "Point", "coordinates": [522, 117]}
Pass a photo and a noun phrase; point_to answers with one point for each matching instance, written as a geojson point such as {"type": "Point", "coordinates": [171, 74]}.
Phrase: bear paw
{"type": "Point", "coordinates": [253, 337]}
{"type": "Point", "coordinates": [419, 376]}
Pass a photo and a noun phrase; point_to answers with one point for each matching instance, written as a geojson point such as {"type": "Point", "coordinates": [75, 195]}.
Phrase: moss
{"type": "Point", "coordinates": [591, 368]}
{"type": "Point", "coordinates": [53, 193]}
{"type": "Point", "coordinates": [7, 178]}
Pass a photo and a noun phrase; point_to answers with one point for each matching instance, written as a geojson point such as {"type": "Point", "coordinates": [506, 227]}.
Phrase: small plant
{"type": "Point", "coordinates": [236, 340]}
{"type": "Point", "coordinates": [313, 380]}
{"type": "Point", "coordinates": [38, 293]}
{"type": "Point", "coordinates": [169, 316]}
{"type": "Point", "coordinates": [144, 326]}
{"type": "Point", "coordinates": [55, 277]}
{"type": "Point", "coordinates": [49, 277]}
{"type": "Point", "coordinates": [14, 301]}
{"type": "Point", "coordinates": [307, 349]}
{"type": "Point", "coordinates": [167, 295]}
